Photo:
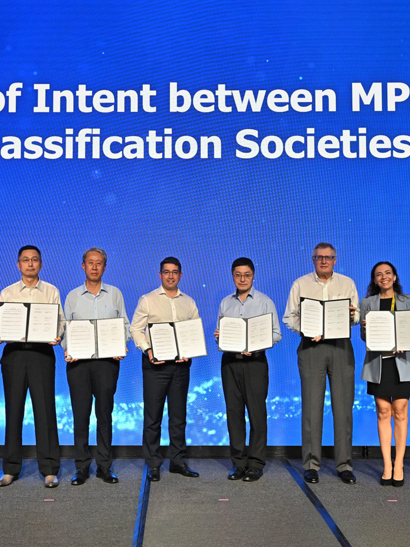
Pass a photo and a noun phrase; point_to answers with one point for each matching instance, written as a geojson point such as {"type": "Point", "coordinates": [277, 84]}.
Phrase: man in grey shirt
{"type": "Point", "coordinates": [319, 358]}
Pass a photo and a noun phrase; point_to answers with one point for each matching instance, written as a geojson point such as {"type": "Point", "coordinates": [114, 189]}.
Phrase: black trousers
{"type": "Point", "coordinates": [86, 378]}
{"type": "Point", "coordinates": [30, 367]}
{"type": "Point", "coordinates": [245, 383]}
{"type": "Point", "coordinates": [168, 381]}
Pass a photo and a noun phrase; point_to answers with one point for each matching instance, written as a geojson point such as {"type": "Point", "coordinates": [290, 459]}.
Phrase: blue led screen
{"type": "Point", "coordinates": [206, 211]}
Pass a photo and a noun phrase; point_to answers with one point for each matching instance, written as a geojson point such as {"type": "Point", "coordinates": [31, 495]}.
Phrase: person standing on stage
{"type": "Point", "coordinates": [31, 366]}
{"type": "Point", "coordinates": [388, 373]}
{"type": "Point", "coordinates": [94, 377]}
{"type": "Point", "coordinates": [164, 379]}
{"type": "Point", "coordinates": [245, 377]}
{"type": "Point", "coordinates": [318, 358]}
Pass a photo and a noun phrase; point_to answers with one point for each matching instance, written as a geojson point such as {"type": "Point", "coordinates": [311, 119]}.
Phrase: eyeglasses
{"type": "Point", "coordinates": [319, 258]}
{"type": "Point", "coordinates": [167, 272]}
{"type": "Point", "coordinates": [246, 275]}
{"type": "Point", "coordinates": [34, 260]}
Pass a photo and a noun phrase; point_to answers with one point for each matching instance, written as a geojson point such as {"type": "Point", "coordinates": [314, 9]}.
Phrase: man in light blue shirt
{"type": "Point", "coordinates": [94, 377]}
{"type": "Point", "coordinates": [245, 377]}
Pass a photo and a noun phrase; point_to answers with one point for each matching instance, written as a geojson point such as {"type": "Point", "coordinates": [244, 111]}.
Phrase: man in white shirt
{"type": "Point", "coordinates": [164, 379]}
{"type": "Point", "coordinates": [319, 358]}
{"type": "Point", "coordinates": [31, 366]}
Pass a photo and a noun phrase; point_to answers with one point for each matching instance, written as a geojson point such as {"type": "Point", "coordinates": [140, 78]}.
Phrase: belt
{"type": "Point", "coordinates": [21, 345]}
{"type": "Point", "coordinates": [254, 355]}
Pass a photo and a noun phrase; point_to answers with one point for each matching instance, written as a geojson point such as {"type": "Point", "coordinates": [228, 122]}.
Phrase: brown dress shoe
{"type": "Point", "coordinates": [7, 479]}
{"type": "Point", "coordinates": [51, 481]}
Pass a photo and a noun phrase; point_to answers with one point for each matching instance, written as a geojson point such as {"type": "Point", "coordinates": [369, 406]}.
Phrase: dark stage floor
{"type": "Point", "coordinates": [278, 510]}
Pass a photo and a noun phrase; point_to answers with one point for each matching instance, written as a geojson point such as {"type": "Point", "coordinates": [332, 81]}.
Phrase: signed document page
{"type": "Point", "coordinates": [232, 334]}
{"type": "Point", "coordinates": [260, 334]}
{"type": "Point", "coordinates": [43, 323]}
{"type": "Point", "coordinates": [111, 338]}
{"type": "Point", "coordinates": [380, 331]}
{"type": "Point", "coordinates": [402, 330]}
{"type": "Point", "coordinates": [337, 319]}
{"type": "Point", "coordinates": [164, 344]}
{"type": "Point", "coordinates": [13, 322]}
{"type": "Point", "coordinates": [81, 343]}
{"type": "Point", "coordinates": [190, 338]}
{"type": "Point", "coordinates": [311, 318]}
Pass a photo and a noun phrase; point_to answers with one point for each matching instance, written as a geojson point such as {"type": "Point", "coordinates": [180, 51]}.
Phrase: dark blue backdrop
{"type": "Point", "coordinates": [206, 212]}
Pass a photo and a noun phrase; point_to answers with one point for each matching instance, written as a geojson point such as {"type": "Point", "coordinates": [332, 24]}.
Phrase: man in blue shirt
{"type": "Point", "coordinates": [94, 377]}
{"type": "Point", "coordinates": [245, 377]}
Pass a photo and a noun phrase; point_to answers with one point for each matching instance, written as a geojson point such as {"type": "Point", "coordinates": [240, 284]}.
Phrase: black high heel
{"type": "Point", "coordinates": [397, 484]}
{"type": "Point", "coordinates": [387, 482]}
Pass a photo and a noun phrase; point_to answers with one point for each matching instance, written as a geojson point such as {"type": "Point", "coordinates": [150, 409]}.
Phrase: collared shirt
{"type": "Point", "coordinates": [158, 307]}
{"type": "Point", "coordinates": [41, 293]}
{"type": "Point", "coordinates": [255, 303]}
{"type": "Point", "coordinates": [108, 303]}
{"type": "Point", "coordinates": [337, 287]}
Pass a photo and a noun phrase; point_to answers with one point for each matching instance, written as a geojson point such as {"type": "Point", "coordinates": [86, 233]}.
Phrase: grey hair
{"type": "Point", "coordinates": [324, 245]}
{"type": "Point", "coordinates": [95, 250]}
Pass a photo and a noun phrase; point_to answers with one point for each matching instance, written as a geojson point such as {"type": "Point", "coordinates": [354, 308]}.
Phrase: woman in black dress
{"type": "Point", "coordinates": [388, 373]}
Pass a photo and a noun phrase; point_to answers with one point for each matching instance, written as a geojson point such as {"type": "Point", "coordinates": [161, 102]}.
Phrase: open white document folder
{"type": "Point", "coordinates": [96, 338]}
{"type": "Point", "coordinates": [239, 335]}
{"type": "Point", "coordinates": [172, 341]}
{"type": "Point", "coordinates": [28, 322]}
{"type": "Point", "coordinates": [388, 330]}
{"type": "Point", "coordinates": [329, 319]}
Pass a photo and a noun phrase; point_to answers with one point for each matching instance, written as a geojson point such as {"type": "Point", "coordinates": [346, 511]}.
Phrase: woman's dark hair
{"type": "Point", "coordinates": [373, 289]}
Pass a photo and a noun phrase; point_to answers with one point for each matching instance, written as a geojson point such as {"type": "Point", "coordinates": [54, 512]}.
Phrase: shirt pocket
{"type": "Point", "coordinates": [109, 312]}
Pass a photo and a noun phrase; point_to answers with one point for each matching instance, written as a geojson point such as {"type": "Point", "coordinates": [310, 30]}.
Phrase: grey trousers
{"type": "Point", "coordinates": [335, 359]}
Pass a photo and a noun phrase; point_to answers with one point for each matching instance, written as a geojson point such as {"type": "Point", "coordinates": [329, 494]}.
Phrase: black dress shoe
{"type": "Point", "coordinates": [80, 476]}
{"type": "Point", "coordinates": [311, 475]}
{"type": "Point", "coordinates": [154, 474]}
{"type": "Point", "coordinates": [347, 477]}
{"type": "Point", "coordinates": [237, 474]}
{"type": "Point", "coordinates": [106, 475]}
{"type": "Point", "coordinates": [252, 474]}
{"type": "Point", "coordinates": [183, 469]}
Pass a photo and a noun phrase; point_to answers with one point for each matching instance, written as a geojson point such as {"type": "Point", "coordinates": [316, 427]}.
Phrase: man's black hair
{"type": "Point", "coordinates": [243, 262]}
{"type": "Point", "coordinates": [28, 248]}
{"type": "Point", "coordinates": [170, 260]}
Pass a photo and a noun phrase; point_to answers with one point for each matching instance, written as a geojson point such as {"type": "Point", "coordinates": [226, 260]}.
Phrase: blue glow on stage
{"type": "Point", "coordinates": [206, 211]}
